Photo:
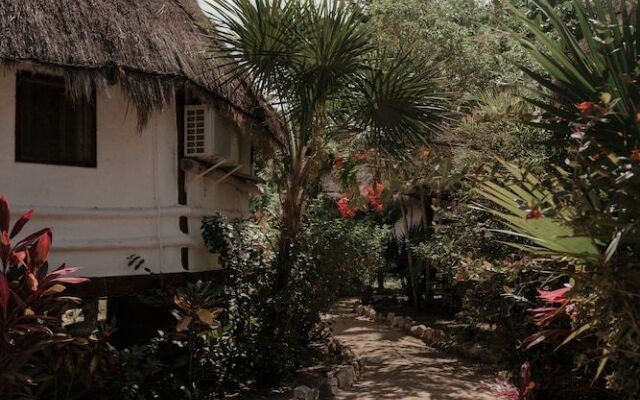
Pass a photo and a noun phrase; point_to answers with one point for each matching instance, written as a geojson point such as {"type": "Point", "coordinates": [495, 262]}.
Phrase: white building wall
{"type": "Point", "coordinates": [125, 206]}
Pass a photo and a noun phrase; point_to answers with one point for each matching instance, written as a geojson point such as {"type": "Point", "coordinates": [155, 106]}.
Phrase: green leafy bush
{"type": "Point", "coordinates": [585, 217]}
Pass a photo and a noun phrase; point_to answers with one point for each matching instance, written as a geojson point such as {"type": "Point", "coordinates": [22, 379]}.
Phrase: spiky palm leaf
{"type": "Point", "coordinates": [600, 68]}
{"type": "Point", "coordinates": [317, 62]}
{"type": "Point", "coordinates": [515, 196]}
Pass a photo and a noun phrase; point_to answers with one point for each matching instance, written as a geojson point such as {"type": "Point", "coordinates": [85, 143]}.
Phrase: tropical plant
{"type": "Point", "coordinates": [584, 216]}
{"type": "Point", "coordinates": [317, 64]}
{"type": "Point", "coordinates": [590, 85]}
{"type": "Point", "coordinates": [31, 304]}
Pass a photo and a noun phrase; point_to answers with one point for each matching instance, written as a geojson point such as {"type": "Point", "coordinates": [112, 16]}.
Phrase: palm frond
{"type": "Point", "coordinates": [512, 201]}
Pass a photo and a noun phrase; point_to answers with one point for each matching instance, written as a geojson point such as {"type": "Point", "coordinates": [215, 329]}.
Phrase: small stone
{"type": "Point", "coordinates": [390, 317]}
{"type": "Point", "coordinates": [417, 331]}
{"type": "Point", "coordinates": [372, 314]}
{"type": "Point", "coordinates": [360, 309]}
{"type": "Point", "coordinates": [428, 335]}
{"type": "Point", "coordinates": [356, 367]}
{"type": "Point", "coordinates": [332, 382]}
{"type": "Point", "coordinates": [305, 393]}
{"type": "Point", "coordinates": [346, 376]}
{"type": "Point", "coordinates": [407, 324]}
{"type": "Point", "coordinates": [397, 322]}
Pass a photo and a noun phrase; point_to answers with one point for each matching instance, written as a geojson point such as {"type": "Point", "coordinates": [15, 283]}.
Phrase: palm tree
{"type": "Point", "coordinates": [316, 62]}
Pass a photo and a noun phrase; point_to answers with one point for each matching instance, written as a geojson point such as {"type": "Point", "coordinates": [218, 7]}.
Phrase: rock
{"type": "Point", "coordinates": [356, 367]}
{"type": "Point", "coordinates": [359, 309]}
{"type": "Point", "coordinates": [347, 353]}
{"type": "Point", "coordinates": [332, 385]}
{"type": "Point", "coordinates": [418, 331]}
{"type": "Point", "coordinates": [390, 317]}
{"type": "Point", "coordinates": [398, 322]}
{"type": "Point", "coordinates": [305, 393]}
{"type": "Point", "coordinates": [428, 335]}
{"type": "Point", "coordinates": [332, 345]}
{"type": "Point", "coordinates": [372, 314]}
{"type": "Point", "coordinates": [408, 323]}
{"type": "Point", "coordinates": [346, 376]}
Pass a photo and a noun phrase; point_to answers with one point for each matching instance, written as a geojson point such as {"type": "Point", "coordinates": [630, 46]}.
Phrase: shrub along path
{"type": "Point", "coordinates": [400, 367]}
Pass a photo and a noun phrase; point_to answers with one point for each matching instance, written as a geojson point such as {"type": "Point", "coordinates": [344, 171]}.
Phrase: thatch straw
{"type": "Point", "coordinates": [149, 47]}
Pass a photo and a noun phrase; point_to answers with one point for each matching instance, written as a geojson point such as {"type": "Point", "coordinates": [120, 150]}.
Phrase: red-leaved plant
{"type": "Point", "coordinates": [31, 304]}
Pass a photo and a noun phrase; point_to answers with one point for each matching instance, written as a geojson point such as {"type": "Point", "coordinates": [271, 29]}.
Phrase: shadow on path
{"type": "Point", "coordinates": [400, 367]}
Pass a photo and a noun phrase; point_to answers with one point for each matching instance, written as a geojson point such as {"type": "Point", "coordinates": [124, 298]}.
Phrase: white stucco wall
{"type": "Point", "coordinates": [414, 217]}
{"type": "Point", "coordinates": [127, 205]}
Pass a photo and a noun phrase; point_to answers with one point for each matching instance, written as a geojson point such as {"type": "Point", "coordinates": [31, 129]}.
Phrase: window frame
{"type": "Point", "coordinates": [57, 81]}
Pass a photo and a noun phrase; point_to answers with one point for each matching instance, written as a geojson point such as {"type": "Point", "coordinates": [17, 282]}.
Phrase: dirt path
{"type": "Point", "coordinates": [400, 367]}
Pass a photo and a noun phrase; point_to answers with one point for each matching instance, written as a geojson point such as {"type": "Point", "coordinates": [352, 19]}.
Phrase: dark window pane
{"type": "Point", "coordinates": [50, 127]}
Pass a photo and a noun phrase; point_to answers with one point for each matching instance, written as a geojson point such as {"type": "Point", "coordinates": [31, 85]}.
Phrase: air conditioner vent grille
{"type": "Point", "coordinates": [195, 131]}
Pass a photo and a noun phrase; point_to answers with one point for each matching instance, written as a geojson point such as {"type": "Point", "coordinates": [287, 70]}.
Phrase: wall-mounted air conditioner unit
{"type": "Point", "coordinates": [209, 137]}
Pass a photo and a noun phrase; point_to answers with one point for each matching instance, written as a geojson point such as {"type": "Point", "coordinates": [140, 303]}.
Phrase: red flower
{"type": "Point", "coordinates": [374, 195]}
{"type": "Point", "coordinates": [339, 162]}
{"type": "Point", "coordinates": [363, 155]}
{"type": "Point", "coordinates": [346, 211]}
{"type": "Point", "coordinates": [586, 107]}
{"type": "Point", "coordinates": [543, 316]}
{"type": "Point", "coordinates": [553, 296]}
{"type": "Point", "coordinates": [535, 213]}
{"type": "Point", "coordinates": [635, 154]}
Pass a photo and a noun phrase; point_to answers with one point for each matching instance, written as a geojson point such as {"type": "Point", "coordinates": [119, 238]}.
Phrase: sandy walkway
{"type": "Point", "coordinates": [401, 367]}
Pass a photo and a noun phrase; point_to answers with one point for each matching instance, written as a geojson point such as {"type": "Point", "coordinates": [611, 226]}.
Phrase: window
{"type": "Point", "coordinates": [51, 128]}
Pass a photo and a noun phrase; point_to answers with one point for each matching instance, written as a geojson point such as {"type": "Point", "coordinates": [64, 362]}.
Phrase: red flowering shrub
{"type": "Point", "coordinates": [374, 195]}
{"type": "Point", "coordinates": [344, 208]}
{"type": "Point", "coordinates": [558, 309]}
{"type": "Point", "coordinates": [30, 301]}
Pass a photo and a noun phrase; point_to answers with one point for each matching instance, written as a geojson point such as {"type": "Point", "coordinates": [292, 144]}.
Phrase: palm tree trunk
{"type": "Point", "coordinates": [292, 210]}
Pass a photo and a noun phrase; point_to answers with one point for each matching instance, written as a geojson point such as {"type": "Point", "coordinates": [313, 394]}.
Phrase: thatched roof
{"type": "Point", "coordinates": [147, 46]}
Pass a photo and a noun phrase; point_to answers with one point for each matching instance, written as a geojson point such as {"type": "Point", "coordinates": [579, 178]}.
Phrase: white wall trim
{"type": "Point", "coordinates": [107, 213]}
{"type": "Point", "coordinates": [134, 243]}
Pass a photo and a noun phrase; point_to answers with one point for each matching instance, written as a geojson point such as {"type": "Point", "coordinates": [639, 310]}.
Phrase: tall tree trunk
{"type": "Point", "coordinates": [412, 280]}
{"type": "Point", "coordinates": [292, 210]}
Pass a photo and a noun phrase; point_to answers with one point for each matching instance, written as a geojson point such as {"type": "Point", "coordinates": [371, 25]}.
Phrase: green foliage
{"type": "Point", "coordinates": [525, 201]}
{"type": "Point", "coordinates": [600, 70]}
{"type": "Point", "coordinates": [586, 217]}
{"type": "Point", "coordinates": [266, 332]}
{"type": "Point", "coordinates": [317, 60]}
{"type": "Point", "coordinates": [184, 361]}
{"type": "Point", "coordinates": [348, 252]}
{"type": "Point", "coordinates": [462, 36]}
{"type": "Point", "coordinates": [467, 40]}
